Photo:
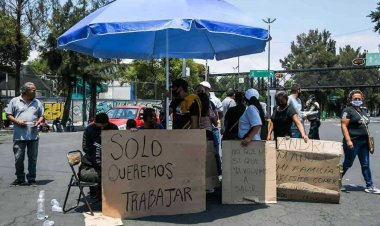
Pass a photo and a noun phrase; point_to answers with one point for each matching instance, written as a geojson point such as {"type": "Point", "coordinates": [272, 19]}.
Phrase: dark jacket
{"type": "Point", "coordinates": [91, 145]}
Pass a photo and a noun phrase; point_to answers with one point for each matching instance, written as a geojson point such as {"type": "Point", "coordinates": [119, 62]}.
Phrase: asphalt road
{"type": "Point", "coordinates": [18, 204]}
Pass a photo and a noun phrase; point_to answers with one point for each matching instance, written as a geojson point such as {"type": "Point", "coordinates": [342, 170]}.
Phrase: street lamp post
{"type": "Point", "coordinates": [270, 79]}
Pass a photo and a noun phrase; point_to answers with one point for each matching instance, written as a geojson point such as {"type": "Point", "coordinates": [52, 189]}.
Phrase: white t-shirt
{"type": "Point", "coordinates": [249, 119]}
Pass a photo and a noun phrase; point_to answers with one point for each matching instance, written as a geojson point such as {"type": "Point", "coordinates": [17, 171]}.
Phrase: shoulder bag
{"type": "Point", "coordinates": [371, 140]}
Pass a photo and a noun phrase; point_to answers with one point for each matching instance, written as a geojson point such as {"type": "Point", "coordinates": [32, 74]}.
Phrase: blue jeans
{"type": "Point", "coordinates": [294, 130]}
{"type": "Point", "coordinates": [361, 150]}
{"type": "Point", "coordinates": [19, 147]}
{"type": "Point", "coordinates": [216, 134]}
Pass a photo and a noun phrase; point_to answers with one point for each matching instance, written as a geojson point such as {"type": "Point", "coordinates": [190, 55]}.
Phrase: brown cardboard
{"type": "Point", "coordinates": [308, 171]}
{"type": "Point", "coordinates": [212, 180]}
{"type": "Point", "coordinates": [249, 173]}
{"type": "Point", "coordinates": [153, 172]}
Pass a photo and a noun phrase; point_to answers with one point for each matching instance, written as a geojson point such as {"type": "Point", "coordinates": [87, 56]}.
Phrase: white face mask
{"type": "Point", "coordinates": [356, 103]}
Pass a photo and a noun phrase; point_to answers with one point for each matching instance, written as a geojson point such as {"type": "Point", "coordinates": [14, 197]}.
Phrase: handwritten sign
{"type": "Point", "coordinates": [249, 173]}
{"type": "Point", "coordinates": [153, 172]}
{"type": "Point", "coordinates": [308, 171]}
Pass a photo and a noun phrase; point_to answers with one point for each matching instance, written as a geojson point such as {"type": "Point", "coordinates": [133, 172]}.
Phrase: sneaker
{"type": "Point", "coordinates": [32, 183]}
{"type": "Point", "coordinates": [18, 182]}
{"type": "Point", "coordinates": [372, 190]}
{"type": "Point", "coordinates": [343, 188]}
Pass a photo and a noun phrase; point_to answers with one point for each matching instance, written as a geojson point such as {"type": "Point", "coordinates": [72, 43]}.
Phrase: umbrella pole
{"type": "Point", "coordinates": [167, 79]}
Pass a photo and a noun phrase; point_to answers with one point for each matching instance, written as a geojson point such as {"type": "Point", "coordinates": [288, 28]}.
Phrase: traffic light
{"type": "Point", "coordinates": [358, 61]}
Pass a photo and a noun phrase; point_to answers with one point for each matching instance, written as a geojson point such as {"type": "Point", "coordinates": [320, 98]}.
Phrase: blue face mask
{"type": "Point", "coordinates": [356, 103]}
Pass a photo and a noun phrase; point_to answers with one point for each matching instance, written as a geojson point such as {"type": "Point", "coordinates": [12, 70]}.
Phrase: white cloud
{"type": "Point", "coordinates": [368, 40]}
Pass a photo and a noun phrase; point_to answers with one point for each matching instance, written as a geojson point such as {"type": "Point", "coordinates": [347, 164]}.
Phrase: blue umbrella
{"type": "Point", "coordinates": [146, 29]}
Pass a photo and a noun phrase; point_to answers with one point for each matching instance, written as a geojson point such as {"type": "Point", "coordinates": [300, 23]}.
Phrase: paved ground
{"type": "Point", "coordinates": [18, 205]}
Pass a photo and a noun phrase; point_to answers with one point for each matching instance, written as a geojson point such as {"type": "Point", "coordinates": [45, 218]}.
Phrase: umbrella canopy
{"type": "Point", "coordinates": [146, 29]}
{"type": "Point", "coordinates": [141, 29]}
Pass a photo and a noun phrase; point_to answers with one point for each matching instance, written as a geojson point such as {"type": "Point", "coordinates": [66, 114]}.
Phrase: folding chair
{"type": "Point", "coordinates": [75, 159]}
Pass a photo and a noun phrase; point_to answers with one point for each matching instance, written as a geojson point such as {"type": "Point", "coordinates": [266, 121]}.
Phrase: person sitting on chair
{"type": "Point", "coordinates": [57, 127]}
{"type": "Point", "coordinates": [92, 147]}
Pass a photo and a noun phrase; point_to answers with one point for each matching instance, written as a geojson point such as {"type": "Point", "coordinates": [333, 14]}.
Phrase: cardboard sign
{"type": "Point", "coordinates": [249, 173]}
{"type": "Point", "coordinates": [308, 171]}
{"type": "Point", "coordinates": [153, 172]}
{"type": "Point", "coordinates": [212, 180]}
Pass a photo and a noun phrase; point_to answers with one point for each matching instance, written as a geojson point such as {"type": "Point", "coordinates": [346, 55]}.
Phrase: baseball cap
{"type": "Point", "coordinates": [205, 84]}
{"type": "Point", "coordinates": [251, 93]}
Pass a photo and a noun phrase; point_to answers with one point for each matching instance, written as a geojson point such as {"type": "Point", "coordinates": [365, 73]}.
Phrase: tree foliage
{"type": "Point", "coordinates": [150, 75]}
{"type": "Point", "coordinates": [317, 50]}
{"type": "Point", "coordinates": [375, 18]}
{"type": "Point", "coordinates": [29, 20]}
{"type": "Point", "coordinates": [8, 43]}
{"type": "Point", "coordinates": [67, 65]}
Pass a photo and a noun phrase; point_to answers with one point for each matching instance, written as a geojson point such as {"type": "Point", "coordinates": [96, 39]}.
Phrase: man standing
{"type": "Point", "coordinates": [184, 107]}
{"type": "Point", "coordinates": [227, 103]}
{"type": "Point", "coordinates": [296, 103]}
{"type": "Point", "coordinates": [26, 113]}
{"type": "Point", "coordinates": [92, 147]}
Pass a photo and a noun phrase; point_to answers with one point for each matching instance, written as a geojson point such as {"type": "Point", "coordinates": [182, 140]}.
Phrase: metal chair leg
{"type": "Point", "coordinates": [85, 199]}
{"type": "Point", "coordinates": [67, 195]}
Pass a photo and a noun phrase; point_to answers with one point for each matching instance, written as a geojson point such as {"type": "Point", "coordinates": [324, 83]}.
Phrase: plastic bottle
{"type": "Point", "coordinates": [41, 205]}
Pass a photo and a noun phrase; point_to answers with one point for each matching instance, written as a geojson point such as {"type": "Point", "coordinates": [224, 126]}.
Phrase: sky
{"type": "Point", "coordinates": [346, 20]}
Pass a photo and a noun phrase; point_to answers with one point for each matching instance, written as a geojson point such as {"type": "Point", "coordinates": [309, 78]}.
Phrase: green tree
{"type": "Point", "coordinates": [40, 66]}
{"type": "Point", "coordinates": [29, 21]}
{"type": "Point", "coordinates": [8, 44]}
{"type": "Point", "coordinates": [67, 65]}
{"type": "Point", "coordinates": [150, 75]}
{"type": "Point", "coordinates": [375, 18]}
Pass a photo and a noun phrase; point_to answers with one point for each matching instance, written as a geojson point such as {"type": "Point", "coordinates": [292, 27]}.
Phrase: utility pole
{"type": "Point", "coordinates": [238, 68]}
{"type": "Point", "coordinates": [206, 72]}
{"type": "Point", "coordinates": [270, 79]}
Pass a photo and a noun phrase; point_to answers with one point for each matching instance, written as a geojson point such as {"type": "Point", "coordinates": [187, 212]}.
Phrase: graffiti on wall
{"type": "Point", "coordinates": [54, 107]}
{"type": "Point", "coordinates": [53, 110]}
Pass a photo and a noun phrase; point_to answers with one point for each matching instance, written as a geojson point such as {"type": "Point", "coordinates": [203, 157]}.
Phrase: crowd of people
{"type": "Point", "coordinates": [240, 117]}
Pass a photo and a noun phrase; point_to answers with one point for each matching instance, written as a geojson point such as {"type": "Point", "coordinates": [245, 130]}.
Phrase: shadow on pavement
{"type": "Point", "coordinates": [354, 188]}
{"type": "Point", "coordinates": [43, 182]}
{"type": "Point", "coordinates": [214, 211]}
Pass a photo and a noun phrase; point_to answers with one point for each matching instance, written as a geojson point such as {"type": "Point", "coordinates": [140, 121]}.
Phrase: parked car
{"type": "Point", "coordinates": [121, 114]}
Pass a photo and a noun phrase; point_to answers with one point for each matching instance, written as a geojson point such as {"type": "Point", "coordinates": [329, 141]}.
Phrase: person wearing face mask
{"type": "Point", "coordinates": [184, 107]}
{"type": "Point", "coordinates": [282, 118]}
{"type": "Point", "coordinates": [92, 147]}
{"type": "Point", "coordinates": [295, 101]}
{"type": "Point", "coordinates": [354, 124]}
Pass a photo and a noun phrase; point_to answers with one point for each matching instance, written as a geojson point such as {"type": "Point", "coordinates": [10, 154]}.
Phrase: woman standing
{"type": "Point", "coordinates": [282, 118]}
{"type": "Point", "coordinates": [252, 119]}
{"type": "Point", "coordinates": [354, 125]}
{"type": "Point", "coordinates": [231, 119]}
